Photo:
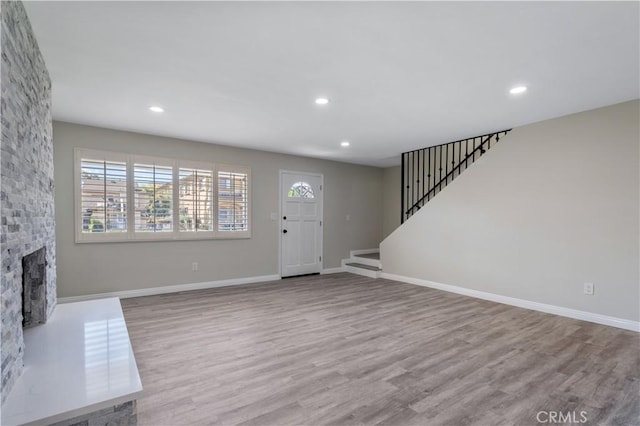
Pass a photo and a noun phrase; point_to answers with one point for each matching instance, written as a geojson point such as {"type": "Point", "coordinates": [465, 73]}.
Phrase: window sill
{"type": "Point", "coordinates": [91, 239]}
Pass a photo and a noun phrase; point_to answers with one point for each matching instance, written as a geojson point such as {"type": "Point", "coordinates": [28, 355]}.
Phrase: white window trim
{"type": "Point", "coordinates": [176, 235]}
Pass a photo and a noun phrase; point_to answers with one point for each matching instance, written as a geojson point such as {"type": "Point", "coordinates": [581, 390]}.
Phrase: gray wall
{"type": "Point", "coordinates": [26, 185]}
{"type": "Point", "coordinates": [552, 206]}
{"type": "Point", "coordinates": [390, 200]}
{"type": "Point", "coordinates": [105, 267]}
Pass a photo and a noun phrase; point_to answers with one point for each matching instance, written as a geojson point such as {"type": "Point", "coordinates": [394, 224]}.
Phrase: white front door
{"type": "Point", "coordinates": [300, 223]}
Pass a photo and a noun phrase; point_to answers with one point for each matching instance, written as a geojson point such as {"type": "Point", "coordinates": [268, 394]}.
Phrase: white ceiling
{"type": "Point", "coordinates": [400, 76]}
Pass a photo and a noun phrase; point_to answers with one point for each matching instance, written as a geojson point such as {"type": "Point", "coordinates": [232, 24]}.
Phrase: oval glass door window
{"type": "Point", "coordinates": [301, 190]}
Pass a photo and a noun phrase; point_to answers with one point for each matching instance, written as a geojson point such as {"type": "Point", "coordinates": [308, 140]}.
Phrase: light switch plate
{"type": "Point", "coordinates": [588, 289]}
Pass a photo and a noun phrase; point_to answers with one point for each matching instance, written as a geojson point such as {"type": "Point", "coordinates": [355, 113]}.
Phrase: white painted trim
{"type": "Point", "coordinates": [521, 303]}
{"type": "Point", "coordinates": [332, 270]}
{"type": "Point", "coordinates": [130, 234]}
{"type": "Point", "coordinates": [124, 294]}
{"type": "Point", "coordinates": [364, 251]}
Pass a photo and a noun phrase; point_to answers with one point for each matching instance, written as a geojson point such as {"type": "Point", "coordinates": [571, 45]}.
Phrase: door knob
{"type": "Point", "coordinates": [284, 218]}
{"type": "Point", "coordinates": [284, 231]}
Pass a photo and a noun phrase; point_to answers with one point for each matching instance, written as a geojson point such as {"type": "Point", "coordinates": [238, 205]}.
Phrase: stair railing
{"type": "Point", "coordinates": [422, 169]}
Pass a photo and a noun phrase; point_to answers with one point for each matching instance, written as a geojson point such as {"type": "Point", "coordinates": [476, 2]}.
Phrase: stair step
{"type": "Point", "coordinates": [363, 266]}
{"type": "Point", "coordinates": [375, 256]}
{"type": "Point", "coordinates": [369, 257]}
{"type": "Point", "coordinates": [363, 262]}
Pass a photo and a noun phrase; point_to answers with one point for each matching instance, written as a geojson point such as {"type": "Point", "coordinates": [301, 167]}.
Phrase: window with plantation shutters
{"type": "Point", "coordinates": [153, 201]}
{"type": "Point", "coordinates": [103, 196]}
{"type": "Point", "coordinates": [122, 197]}
{"type": "Point", "coordinates": [233, 200]}
{"type": "Point", "coordinates": [196, 200]}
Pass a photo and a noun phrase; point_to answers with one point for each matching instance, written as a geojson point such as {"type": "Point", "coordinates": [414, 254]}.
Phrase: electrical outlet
{"type": "Point", "coordinates": [588, 289]}
{"type": "Point", "coordinates": [194, 266]}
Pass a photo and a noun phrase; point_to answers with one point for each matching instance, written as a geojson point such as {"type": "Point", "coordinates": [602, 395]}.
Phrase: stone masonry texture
{"type": "Point", "coordinates": [26, 178]}
{"type": "Point", "coordinates": [119, 415]}
{"type": "Point", "coordinates": [34, 285]}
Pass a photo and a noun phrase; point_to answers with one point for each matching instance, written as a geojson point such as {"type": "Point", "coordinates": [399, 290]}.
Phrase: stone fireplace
{"type": "Point", "coordinates": [26, 189]}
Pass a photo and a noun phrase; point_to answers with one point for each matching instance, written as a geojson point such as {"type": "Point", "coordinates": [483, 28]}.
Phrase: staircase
{"type": "Point", "coordinates": [425, 172]}
{"type": "Point", "coordinates": [363, 262]}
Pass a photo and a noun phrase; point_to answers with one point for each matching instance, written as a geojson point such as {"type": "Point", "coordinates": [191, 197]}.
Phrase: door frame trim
{"type": "Point", "coordinates": [280, 200]}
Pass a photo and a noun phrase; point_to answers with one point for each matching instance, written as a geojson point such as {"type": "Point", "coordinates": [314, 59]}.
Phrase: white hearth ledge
{"type": "Point", "coordinates": [80, 361]}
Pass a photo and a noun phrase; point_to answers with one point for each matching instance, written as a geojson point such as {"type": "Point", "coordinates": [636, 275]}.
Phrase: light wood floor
{"type": "Point", "coordinates": [345, 349]}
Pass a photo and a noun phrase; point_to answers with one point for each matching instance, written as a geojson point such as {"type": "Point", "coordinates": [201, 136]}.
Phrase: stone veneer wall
{"type": "Point", "coordinates": [26, 178]}
{"type": "Point", "coordinates": [125, 414]}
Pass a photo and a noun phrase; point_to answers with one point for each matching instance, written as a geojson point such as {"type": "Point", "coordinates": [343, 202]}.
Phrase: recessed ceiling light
{"type": "Point", "coordinates": [344, 144]}
{"type": "Point", "coordinates": [518, 89]}
{"type": "Point", "coordinates": [156, 109]}
{"type": "Point", "coordinates": [322, 101]}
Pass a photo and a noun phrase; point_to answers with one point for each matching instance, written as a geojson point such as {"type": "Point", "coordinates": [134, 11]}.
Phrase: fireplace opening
{"type": "Point", "coordinates": [34, 288]}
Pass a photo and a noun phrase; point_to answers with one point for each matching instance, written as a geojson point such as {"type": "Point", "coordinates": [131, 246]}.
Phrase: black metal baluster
{"type": "Point", "coordinates": [446, 166]}
{"type": "Point", "coordinates": [459, 156]}
{"type": "Point", "coordinates": [424, 167]}
{"type": "Point", "coordinates": [434, 172]}
{"type": "Point", "coordinates": [410, 185]}
{"type": "Point", "coordinates": [418, 181]}
{"type": "Point", "coordinates": [475, 146]}
{"type": "Point", "coordinates": [402, 188]}
{"type": "Point", "coordinates": [440, 168]}
{"type": "Point", "coordinates": [429, 173]}
{"type": "Point", "coordinates": [413, 184]}
{"type": "Point", "coordinates": [406, 182]}
{"type": "Point", "coordinates": [405, 194]}
{"type": "Point", "coordinates": [453, 161]}
{"type": "Point", "coordinates": [466, 154]}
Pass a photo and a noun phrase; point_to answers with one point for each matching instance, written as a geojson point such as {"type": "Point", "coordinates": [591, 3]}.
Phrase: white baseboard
{"type": "Point", "coordinates": [332, 270]}
{"type": "Point", "coordinates": [521, 303]}
{"type": "Point", "coordinates": [124, 294]}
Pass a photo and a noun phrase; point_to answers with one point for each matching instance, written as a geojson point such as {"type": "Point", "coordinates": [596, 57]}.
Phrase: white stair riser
{"type": "Point", "coordinates": [363, 261]}
{"type": "Point", "coordinates": [360, 271]}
